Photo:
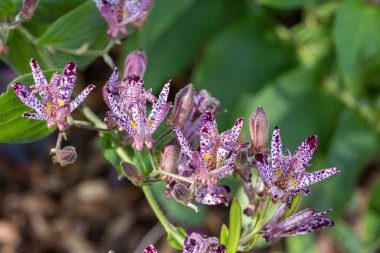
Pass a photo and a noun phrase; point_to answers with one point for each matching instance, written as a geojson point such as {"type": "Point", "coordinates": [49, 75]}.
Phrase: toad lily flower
{"type": "Point", "coordinates": [119, 13]}
{"type": "Point", "coordinates": [303, 222]}
{"type": "Point", "coordinates": [55, 105]}
{"type": "Point", "coordinates": [127, 101]}
{"type": "Point", "coordinates": [287, 174]}
{"type": "Point", "coordinates": [196, 243]}
{"type": "Point", "coordinates": [214, 160]}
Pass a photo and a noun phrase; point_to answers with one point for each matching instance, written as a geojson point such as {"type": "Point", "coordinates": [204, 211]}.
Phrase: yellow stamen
{"type": "Point", "coordinates": [133, 124]}
{"type": "Point", "coordinates": [278, 173]}
{"type": "Point", "coordinates": [294, 183]}
{"type": "Point", "coordinates": [150, 122]}
{"type": "Point", "coordinates": [60, 102]}
{"type": "Point", "coordinates": [218, 160]}
{"type": "Point", "coordinates": [206, 157]}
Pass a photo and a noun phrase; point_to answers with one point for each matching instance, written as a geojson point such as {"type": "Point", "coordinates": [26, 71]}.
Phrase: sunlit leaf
{"type": "Point", "coordinates": [234, 227]}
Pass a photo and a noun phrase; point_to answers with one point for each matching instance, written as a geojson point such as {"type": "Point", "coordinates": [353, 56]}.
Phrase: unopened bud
{"type": "Point", "coordinates": [182, 193]}
{"type": "Point", "coordinates": [65, 156]}
{"type": "Point", "coordinates": [132, 173]}
{"type": "Point", "coordinates": [170, 154]}
{"type": "Point", "coordinates": [259, 129]}
{"type": "Point", "coordinates": [183, 104]}
{"type": "Point", "coordinates": [27, 9]}
{"type": "Point", "coordinates": [241, 160]}
{"type": "Point", "coordinates": [135, 63]}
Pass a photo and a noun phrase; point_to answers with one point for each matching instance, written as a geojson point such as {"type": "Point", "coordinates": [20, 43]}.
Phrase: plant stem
{"type": "Point", "coordinates": [258, 225]}
{"type": "Point", "coordinates": [170, 229]}
{"type": "Point", "coordinates": [83, 50]}
{"type": "Point", "coordinates": [87, 125]}
{"type": "Point", "coordinates": [91, 116]}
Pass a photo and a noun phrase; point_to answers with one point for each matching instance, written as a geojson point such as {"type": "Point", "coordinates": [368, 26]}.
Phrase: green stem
{"type": "Point", "coordinates": [258, 225]}
{"type": "Point", "coordinates": [83, 50]}
{"type": "Point", "coordinates": [87, 125]}
{"type": "Point", "coordinates": [123, 155]}
{"type": "Point", "coordinates": [170, 229]}
{"type": "Point", "coordinates": [91, 116]}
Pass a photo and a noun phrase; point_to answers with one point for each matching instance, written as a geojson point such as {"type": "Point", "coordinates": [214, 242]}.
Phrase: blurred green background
{"type": "Point", "coordinates": [313, 65]}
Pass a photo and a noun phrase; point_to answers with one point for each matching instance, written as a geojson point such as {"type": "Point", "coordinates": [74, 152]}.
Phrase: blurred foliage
{"type": "Point", "coordinates": [313, 64]}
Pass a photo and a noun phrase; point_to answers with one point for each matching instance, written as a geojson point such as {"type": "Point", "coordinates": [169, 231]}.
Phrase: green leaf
{"type": "Point", "coordinates": [293, 207]}
{"type": "Point", "coordinates": [352, 147]}
{"type": "Point", "coordinates": [108, 146]}
{"type": "Point", "coordinates": [20, 53]}
{"type": "Point", "coordinates": [142, 162]}
{"type": "Point", "coordinates": [79, 27]}
{"type": "Point", "coordinates": [49, 10]}
{"type": "Point", "coordinates": [6, 7]}
{"type": "Point", "coordinates": [14, 127]}
{"type": "Point", "coordinates": [359, 48]}
{"type": "Point", "coordinates": [283, 4]}
{"type": "Point", "coordinates": [172, 49]}
{"type": "Point", "coordinates": [347, 238]}
{"type": "Point", "coordinates": [173, 242]}
{"type": "Point", "coordinates": [281, 100]}
{"type": "Point", "coordinates": [239, 61]}
{"type": "Point", "coordinates": [235, 227]}
{"type": "Point", "coordinates": [301, 244]}
{"type": "Point", "coordinates": [224, 235]}
{"type": "Point", "coordinates": [372, 217]}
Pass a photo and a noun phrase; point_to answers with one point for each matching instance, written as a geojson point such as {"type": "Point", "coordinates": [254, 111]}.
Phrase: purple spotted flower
{"type": "Point", "coordinates": [55, 105]}
{"type": "Point", "coordinates": [127, 100]}
{"type": "Point", "coordinates": [119, 13]}
{"type": "Point", "coordinates": [196, 243]}
{"type": "Point", "coordinates": [303, 222]}
{"type": "Point", "coordinates": [286, 174]}
{"type": "Point", "coordinates": [202, 102]}
{"type": "Point", "coordinates": [213, 161]}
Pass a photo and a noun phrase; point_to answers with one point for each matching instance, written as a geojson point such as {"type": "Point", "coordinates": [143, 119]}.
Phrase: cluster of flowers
{"type": "Point", "coordinates": [193, 173]}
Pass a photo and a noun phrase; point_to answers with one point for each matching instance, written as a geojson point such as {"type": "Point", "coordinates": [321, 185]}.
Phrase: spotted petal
{"type": "Point", "coordinates": [121, 118]}
{"type": "Point", "coordinates": [211, 195]}
{"type": "Point", "coordinates": [314, 177]}
{"type": "Point", "coordinates": [37, 116]}
{"type": "Point", "coordinates": [306, 150]}
{"type": "Point", "coordinates": [28, 98]}
{"type": "Point", "coordinates": [228, 137]}
{"type": "Point", "coordinates": [67, 81]}
{"type": "Point", "coordinates": [79, 99]}
{"type": "Point", "coordinates": [150, 249]}
{"type": "Point", "coordinates": [276, 147]}
{"type": "Point", "coordinates": [185, 146]}
{"type": "Point", "coordinates": [265, 171]}
{"type": "Point", "coordinates": [39, 78]}
{"type": "Point", "coordinates": [160, 104]}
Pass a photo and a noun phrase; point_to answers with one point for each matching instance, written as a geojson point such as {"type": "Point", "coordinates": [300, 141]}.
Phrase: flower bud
{"type": "Point", "coordinates": [259, 129]}
{"type": "Point", "coordinates": [65, 156]}
{"type": "Point", "coordinates": [170, 154]}
{"type": "Point", "coordinates": [27, 9]}
{"type": "Point", "coordinates": [183, 103]}
{"type": "Point", "coordinates": [241, 160]}
{"type": "Point", "coordinates": [135, 63]}
{"type": "Point", "coordinates": [132, 173]}
{"type": "Point", "coordinates": [182, 193]}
